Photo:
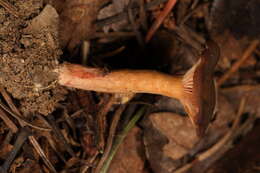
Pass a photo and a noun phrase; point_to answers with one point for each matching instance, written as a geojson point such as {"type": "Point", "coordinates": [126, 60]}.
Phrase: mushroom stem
{"type": "Point", "coordinates": [195, 90]}
{"type": "Point", "coordinates": [121, 81]}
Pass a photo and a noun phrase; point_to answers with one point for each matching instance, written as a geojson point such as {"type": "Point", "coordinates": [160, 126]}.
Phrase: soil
{"type": "Point", "coordinates": [29, 51]}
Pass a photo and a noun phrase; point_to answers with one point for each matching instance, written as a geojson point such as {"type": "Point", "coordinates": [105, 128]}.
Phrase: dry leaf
{"type": "Point", "coordinates": [170, 138]}
{"type": "Point", "coordinates": [76, 21]}
{"type": "Point", "coordinates": [167, 137]}
{"type": "Point", "coordinates": [235, 94]}
{"type": "Point", "coordinates": [130, 155]}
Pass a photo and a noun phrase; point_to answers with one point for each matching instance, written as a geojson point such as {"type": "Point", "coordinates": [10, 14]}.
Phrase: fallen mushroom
{"type": "Point", "coordinates": [195, 89]}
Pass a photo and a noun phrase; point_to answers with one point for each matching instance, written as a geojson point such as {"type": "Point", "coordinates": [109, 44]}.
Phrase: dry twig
{"type": "Point", "coordinates": [32, 139]}
{"type": "Point", "coordinates": [8, 121]}
{"type": "Point", "coordinates": [22, 136]}
{"type": "Point", "coordinates": [222, 146]}
{"type": "Point", "coordinates": [120, 139]}
{"type": "Point", "coordinates": [101, 116]}
{"type": "Point", "coordinates": [167, 9]}
{"type": "Point", "coordinates": [19, 118]}
{"type": "Point", "coordinates": [251, 48]}
{"type": "Point", "coordinates": [9, 7]}
{"type": "Point", "coordinates": [59, 135]}
{"type": "Point", "coordinates": [111, 136]}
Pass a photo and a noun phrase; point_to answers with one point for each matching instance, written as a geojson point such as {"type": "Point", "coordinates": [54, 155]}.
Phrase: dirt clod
{"type": "Point", "coordinates": [29, 55]}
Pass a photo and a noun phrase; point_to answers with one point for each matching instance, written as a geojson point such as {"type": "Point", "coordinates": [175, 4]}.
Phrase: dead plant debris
{"type": "Point", "coordinates": [114, 51]}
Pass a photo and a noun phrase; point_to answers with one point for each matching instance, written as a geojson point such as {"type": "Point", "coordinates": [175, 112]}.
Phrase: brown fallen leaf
{"type": "Point", "coordinates": [48, 18]}
{"type": "Point", "coordinates": [112, 9]}
{"type": "Point", "coordinates": [167, 138]}
{"type": "Point", "coordinates": [246, 161]}
{"type": "Point", "coordinates": [76, 21]}
{"type": "Point", "coordinates": [130, 155]}
{"type": "Point", "coordinates": [252, 92]}
{"type": "Point", "coordinates": [170, 138]}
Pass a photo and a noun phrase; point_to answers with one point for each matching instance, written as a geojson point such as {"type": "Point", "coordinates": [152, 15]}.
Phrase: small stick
{"type": "Point", "coordinates": [9, 7]}
{"type": "Point", "coordinates": [143, 17]}
{"type": "Point", "coordinates": [23, 135]}
{"type": "Point", "coordinates": [101, 118]}
{"type": "Point", "coordinates": [54, 146]}
{"type": "Point", "coordinates": [230, 135]}
{"type": "Point", "coordinates": [56, 132]}
{"type": "Point", "coordinates": [20, 119]}
{"type": "Point", "coordinates": [236, 66]}
{"type": "Point", "coordinates": [8, 121]}
{"type": "Point", "coordinates": [15, 112]}
{"type": "Point", "coordinates": [222, 146]}
{"type": "Point", "coordinates": [40, 151]}
{"type": "Point", "coordinates": [134, 25]}
{"type": "Point", "coordinates": [168, 7]}
{"type": "Point", "coordinates": [193, 10]}
{"type": "Point", "coordinates": [7, 139]}
{"type": "Point", "coordinates": [32, 139]}
{"type": "Point", "coordinates": [120, 138]}
{"type": "Point", "coordinates": [111, 136]}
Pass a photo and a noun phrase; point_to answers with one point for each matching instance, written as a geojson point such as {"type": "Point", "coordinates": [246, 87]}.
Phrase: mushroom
{"type": "Point", "coordinates": [195, 89]}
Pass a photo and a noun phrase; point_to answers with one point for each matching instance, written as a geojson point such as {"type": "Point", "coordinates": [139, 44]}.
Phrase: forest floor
{"type": "Point", "coordinates": [46, 127]}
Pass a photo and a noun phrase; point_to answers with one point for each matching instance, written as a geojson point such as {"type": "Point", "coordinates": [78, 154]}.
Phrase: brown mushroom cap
{"type": "Point", "coordinates": [200, 92]}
